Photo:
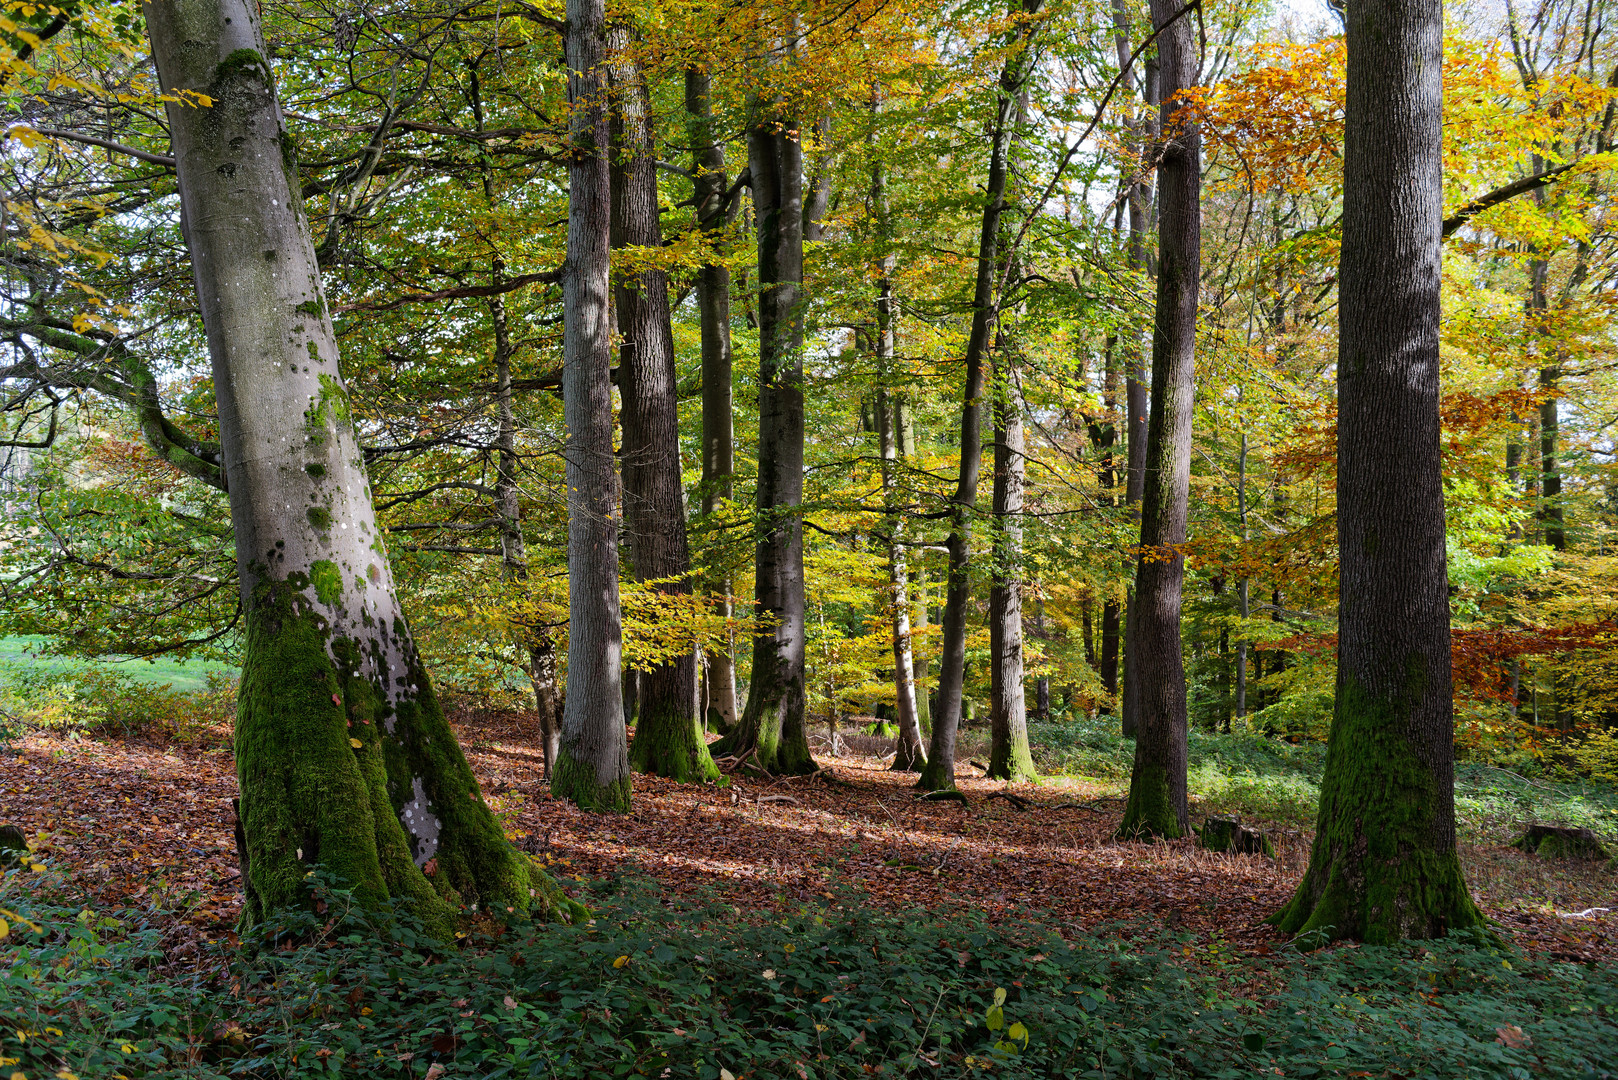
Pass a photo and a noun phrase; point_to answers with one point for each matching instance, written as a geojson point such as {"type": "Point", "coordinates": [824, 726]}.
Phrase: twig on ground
{"type": "Point", "coordinates": [947, 795]}
{"type": "Point", "coordinates": [776, 798]}
{"type": "Point", "coordinates": [1016, 800]}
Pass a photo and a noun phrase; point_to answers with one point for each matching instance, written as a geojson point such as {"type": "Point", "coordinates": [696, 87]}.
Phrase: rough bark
{"type": "Point", "coordinates": [593, 765]}
{"type": "Point", "coordinates": [1139, 203]}
{"type": "Point", "coordinates": [668, 732]}
{"type": "Point", "coordinates": [939, 773]}
{"type": "Point", "coordinates": [342, 752]}
{"type": "Point", "coordinates": [709, 182]}
{"type": "Point", "coordinates": [1384, 865]}
{"type": "Point", "coordinates": [1009, 756]}
{"type": "Point", "coordinates": [1157, 787]}
{"type": "Point", "coordinates": [772, 725]}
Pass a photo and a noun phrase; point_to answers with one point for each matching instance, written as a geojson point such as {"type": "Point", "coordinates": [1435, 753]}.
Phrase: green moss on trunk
{"type": "Point", "coordinates": [575, 780]}
{"type": "Point", "coordinates": [1384, 865]}
{"type": "Point", "coordinates": [936, 775]}
{"type": "Point", "coordinates": [328, 770]}
{"type": "Point", "coordinates": [1011, 760]}
{"type": "Point", "coordinates": [669, 743]}
{"type": "Point", "coordinates": [772, 728]}
{"type": "Point", "coordinates": [1150, 810]}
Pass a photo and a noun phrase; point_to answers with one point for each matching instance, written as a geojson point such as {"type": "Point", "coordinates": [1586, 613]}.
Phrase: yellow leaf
{"type": "Point", "coordinates": [620, 962]}
{"type": "Point", "coordinates": [996, 1018]}
{"type": "Point", "coordinates": [999, 995]}
{"type": "Point", "coordinates": [726, 1074]}
{"type": "Point", "coordinates": [1017, 1031]}
{"type": "Point", "coordinates": [355, 743]}
{"type": "Point", "coordinates": [5, 930]}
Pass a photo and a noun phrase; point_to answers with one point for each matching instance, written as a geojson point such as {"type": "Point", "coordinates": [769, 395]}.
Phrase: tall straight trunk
{"type": "Point", "coordinates": [772, 725]}
{"type": "Point", "coordinates": [713, 311]}
{"type": "Point", "coordinates": [920, 665]}
{"type": "Point", "coordinates": [1242, 605]}
{"type": "Point", "coordinates": [908, 756]}
{"type": "Point", "coordinates": [342, 751]}
{"type": "Point", "coordinates": [939, 773]}
{"type": "Point", "coordinates": [1550, 375]}
{"type": "Point", "coordinates": [668, 732]}
{"type": "Point", "coordinates": [1157, 786]}
{"type": "Point", "coordinates": [1009, 756]}
{"type": "Point", "coordinates": [593, 767]}
{"type": "Point", "coordinates": [535, 641]}
{"type": "Point", "coordinates": [1384, 865]}
{"type": "Point", "coordinates": [1104, 437]}
{"type": "Point", "coordinates": [1139, 201]}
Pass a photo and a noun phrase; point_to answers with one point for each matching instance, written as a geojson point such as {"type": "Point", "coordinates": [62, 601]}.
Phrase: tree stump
{"type": "Point", "coordinates": [1561, 842]}
{"type": "Point", "coordinates": [1229, 835]}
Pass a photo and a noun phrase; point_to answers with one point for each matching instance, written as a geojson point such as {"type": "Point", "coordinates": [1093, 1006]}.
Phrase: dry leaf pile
{"type": "Point", "coordinates": [135, 823]}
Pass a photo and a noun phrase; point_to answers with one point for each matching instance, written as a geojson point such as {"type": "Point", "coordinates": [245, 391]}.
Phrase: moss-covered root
{"type": "Point", "coordinates": [772, 728]}
{"type": "Point", "coordinates": [908, 758]}
{"type": "Point", "coordinates": [575, 779]}
{"type": "Point", "coordinates": [1150, 811]}
{"type": "Point", "coordinates": [1384, 865]}
{"type": "Point", "coordinates": [668, 742]}
{"type": "Point", "coordinates": [1011, 760]}
{"type": "Point", "coordinates": [935, 775]}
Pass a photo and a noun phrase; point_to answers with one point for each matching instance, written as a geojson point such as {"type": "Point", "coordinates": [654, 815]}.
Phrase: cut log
{"type": "Point", "coordinates": [1561, 842]}
{"type": "Point", "coordinates": [1230, 835]}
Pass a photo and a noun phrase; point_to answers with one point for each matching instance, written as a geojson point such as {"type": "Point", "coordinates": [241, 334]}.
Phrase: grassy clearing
{"type": "Point", "coordinates": [21, 656]}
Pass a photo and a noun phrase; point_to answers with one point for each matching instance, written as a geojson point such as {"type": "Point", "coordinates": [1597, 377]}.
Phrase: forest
{"type": "Point", "coordinates": [808, 538]}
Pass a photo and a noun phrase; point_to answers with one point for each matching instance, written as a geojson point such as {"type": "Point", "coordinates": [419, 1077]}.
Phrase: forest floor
{"type": "Point", "coordinates": [148, 823]}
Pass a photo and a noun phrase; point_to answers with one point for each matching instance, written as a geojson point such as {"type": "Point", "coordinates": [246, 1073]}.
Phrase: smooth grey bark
{"type": "Point", "coordinates": [890, 419]}
{"type": "Point", "coordinates": [939, 773]}
{"type": "Point", "coordinates": [1157, 788]}
{"type": "Point", "coordinates": [710, 185]}
{"type": "Point", "coordinates": [1384, 865]}
{"type": "Point", "coordinates": [593, 768]}
{"type": "Point", "coordinates": [1009, 755]}
{"type": "Point", "coordinates": [668, 733]}
{"type": "Point", "coordinates": [1139, 202]}
{"type": "Point", "coordinates": [343, 754]}
{"type": "Point", "coordinates": [772, 725]}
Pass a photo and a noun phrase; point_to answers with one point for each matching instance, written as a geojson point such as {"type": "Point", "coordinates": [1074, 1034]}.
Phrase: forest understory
{"type": "Point", "coordinates": [146, 823]}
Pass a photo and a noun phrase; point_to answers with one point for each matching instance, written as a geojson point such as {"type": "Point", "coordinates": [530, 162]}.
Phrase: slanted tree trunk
{"type": "Point", "coordinates": [1009, 756]}
{"type": "Point", "coordinates": [1384, 865]}
{"type": "Point", "coordinates": [713, 312]}
{"type": "Point", "coordinates": [1157, 786]}
{"type": "Point", "coordinates": [593, 766]}
{"type": "Point", "coordinates": [940, 771]}
{"type": "Point", "coordinates": [668, 733]}
{"type": "Point", "coordinates": [772, 725]}
{"type": "Point", "coordinates": [342, 751]}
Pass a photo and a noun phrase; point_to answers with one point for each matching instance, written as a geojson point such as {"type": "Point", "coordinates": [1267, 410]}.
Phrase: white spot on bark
{"type": "Point", "coordinates": [420, 823]}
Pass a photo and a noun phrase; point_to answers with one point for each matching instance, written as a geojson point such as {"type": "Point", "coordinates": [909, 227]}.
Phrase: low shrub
{"type": "Point", "coordinates": [655, 987]}
{"type": "Point", "coordinates": [104, 699]}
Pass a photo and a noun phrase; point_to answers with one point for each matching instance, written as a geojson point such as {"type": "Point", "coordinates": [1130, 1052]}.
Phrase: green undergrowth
{"type": "Point", "coordinates": [1270, 779]}
{"type": "Point", "coordinates": [654, 986]}
{"type": "Point", "coordinates": [114, 699]}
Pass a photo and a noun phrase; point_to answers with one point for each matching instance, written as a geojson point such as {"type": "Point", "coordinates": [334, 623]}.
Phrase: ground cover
{"type": "Point", "coordinates": [138, 828]}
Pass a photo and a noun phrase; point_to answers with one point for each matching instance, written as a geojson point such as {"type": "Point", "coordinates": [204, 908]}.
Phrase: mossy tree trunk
{"type": "Point", "coordinates": [1157, 786]}
{"type": "Point", "coordinates": [668, 733]}
{"type": "Point", "coordinates": [342, 751]}
{"type": "Point", "coordinates": [772, 724]}
{"type": "Point", "coordinates": [1384, 864]}
{"type": "Point", "coordinates": [939, 773]}
{"type": "Point", "coordinates": [1009, 756]}
{"type": "Point", "coordinates": [592, 769]}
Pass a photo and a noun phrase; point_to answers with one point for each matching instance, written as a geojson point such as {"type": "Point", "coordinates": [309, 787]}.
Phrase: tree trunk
{"type": "Point", "coordinates": [1384, 864]}
{"type": "Point", "coordinates": [668, 733]}
{"type": "Point", "coordinates": [1009, 756]}
{"type": "Point", "coordinates": [1157, 786]}
{"type": "Point", "coordinates": [918, 623]}
{"type": "Point", "coordinates": [940, 771]}
{"type": "Point", "coordinates": [1135, 398]}
{"type": "Point", "coordinates": [593, 766]}
{"type": "Point", "coordinates": [908, 755]}
{"type": "Point", "coordinates": [772, 725]}
{"type": "Point", "coordinates": [342, 751]}
{"type": "Point", "coordinates": [713, 311]}
{"type": "Point", "coordinates": [1242, 607]}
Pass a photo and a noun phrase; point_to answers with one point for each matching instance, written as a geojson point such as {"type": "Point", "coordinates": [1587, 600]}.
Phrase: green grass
{"type": "Point", "coordinates": [1269, 779]}
{"type": "Point", "coordinates": [23, 654]}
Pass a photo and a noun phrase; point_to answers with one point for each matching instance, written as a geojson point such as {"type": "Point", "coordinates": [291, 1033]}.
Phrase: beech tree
{"type": "Point", "coordinates": [1157, 785]}
{"type": "Point", "coordinates": [342, 751]}
{"type": "Point", "coordinates": [1384, 865]}
{"type": "Point", "coordinates": [593, 763]}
